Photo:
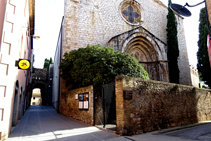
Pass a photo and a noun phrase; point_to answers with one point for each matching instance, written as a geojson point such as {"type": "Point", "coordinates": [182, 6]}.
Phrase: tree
{"type": "Point", "coordinates": [203, 64]}
{"type": "Point", "coordinates": [47, 63]}
{"type": "Point", "coordinates": [172, 42]}
{"type": "Point", "coordinates": [96, 64]}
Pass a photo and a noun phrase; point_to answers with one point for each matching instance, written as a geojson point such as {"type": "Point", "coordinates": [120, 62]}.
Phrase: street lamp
{"type": "Point", "coordinates": [181, 10]}
{"type": "Point", "coordinates": [36, 37]}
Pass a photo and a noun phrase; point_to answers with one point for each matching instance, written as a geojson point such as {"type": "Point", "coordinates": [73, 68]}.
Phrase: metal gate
{"type": "Point", "coordinates": [105, 106]}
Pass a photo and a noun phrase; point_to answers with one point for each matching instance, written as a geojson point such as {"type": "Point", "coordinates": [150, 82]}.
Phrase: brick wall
{"type": "Point", "coordinates": [158, 105]}
{"type": "Point", "coordinates": [69, 105]}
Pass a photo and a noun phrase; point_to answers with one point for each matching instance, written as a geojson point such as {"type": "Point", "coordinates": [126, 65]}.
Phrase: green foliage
{"type": "Point", "coordinates": [203, 64]}
{"type": "Point", "coordinates": [173, 50]}
{"type": "Point", "coordinates": [96, 64]}
{"type": "Point", "coordinates": [47, 63]}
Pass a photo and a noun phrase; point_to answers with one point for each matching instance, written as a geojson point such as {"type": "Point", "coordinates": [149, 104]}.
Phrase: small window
{"type": "Point", "coordinates": [33, 97]}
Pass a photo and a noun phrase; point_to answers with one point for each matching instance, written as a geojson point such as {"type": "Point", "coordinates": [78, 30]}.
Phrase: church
{"type": "Point", "coordinates": [137, 27]}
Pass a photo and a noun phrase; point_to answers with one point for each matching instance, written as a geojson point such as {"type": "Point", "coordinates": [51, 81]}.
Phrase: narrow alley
{"type": "Point", "coordinates": [42, 123]}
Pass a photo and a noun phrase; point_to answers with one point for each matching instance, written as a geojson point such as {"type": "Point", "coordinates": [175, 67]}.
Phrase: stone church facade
{"type": "Point", "coordinates": [137, 27]}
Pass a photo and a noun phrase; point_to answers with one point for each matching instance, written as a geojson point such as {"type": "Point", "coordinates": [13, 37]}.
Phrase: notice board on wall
{"type": "Point", "coordinates": [83, 103]}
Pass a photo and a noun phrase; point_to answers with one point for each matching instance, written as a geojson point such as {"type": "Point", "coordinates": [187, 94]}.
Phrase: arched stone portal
{"type": "Point", "coordinates": [147, 49]}
{"type": "Point", "coordinates": [43, 88]}
{"type": "Point", "coordinates": [39, 80]}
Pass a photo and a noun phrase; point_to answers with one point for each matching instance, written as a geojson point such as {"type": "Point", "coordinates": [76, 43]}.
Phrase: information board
{"type": "Point", "coordinates": [83, 103]}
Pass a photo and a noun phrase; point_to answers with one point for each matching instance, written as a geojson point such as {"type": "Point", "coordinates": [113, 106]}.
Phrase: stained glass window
{"type": "Point", "coordinates": [131, 13]}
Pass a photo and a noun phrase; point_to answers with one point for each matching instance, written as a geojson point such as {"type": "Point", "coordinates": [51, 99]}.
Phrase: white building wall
{"type": "Point", "coordinates": [14, 45]}
{"type": "Point", "coordinates": [56, 72]}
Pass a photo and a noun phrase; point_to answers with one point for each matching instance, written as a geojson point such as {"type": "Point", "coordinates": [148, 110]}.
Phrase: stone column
{"type": "Point", "coordinates": [119, 105]}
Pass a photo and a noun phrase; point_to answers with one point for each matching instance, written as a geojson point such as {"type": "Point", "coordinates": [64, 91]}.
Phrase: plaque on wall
{"type": "Point", "coordinates": [76, 96]}
{"type": "Point", "coordinates": [86, 105]}
{"type": "Point", "coordinates": [81, 105]}
{"type": "Point", "coordinates": [81, 97]}
{"type": "Point", "coordinates": [86, 101]}
{"type": "Point", "coordinates": [128, 95]}
{"type": "Point", "coordinates": [83, 101]}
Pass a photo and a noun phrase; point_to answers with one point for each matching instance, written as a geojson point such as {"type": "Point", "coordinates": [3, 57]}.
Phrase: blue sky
{"type": "Point", "coordinates": [48, 16]}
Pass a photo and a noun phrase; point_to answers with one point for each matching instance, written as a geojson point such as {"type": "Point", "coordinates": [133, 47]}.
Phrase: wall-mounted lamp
{"type": "Point", "coordinates": [36, 37]}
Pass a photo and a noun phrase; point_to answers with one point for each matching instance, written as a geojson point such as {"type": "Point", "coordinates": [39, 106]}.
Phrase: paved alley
{"type": "Point", "coordinates": [42, 123]}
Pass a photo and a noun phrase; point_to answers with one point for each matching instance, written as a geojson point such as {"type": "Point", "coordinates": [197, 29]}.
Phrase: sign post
{"type": "Point", "coordinates": [23, 64]}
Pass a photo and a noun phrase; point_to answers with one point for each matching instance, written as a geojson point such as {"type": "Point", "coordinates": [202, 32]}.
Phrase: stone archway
{"type": "Point", "coordinates": [15, 104]}
{"type": "Point", "coordinates": [142, 49]}
{"type": "Point", "coordinates": [43, 88]}
{"type": "Point", "coordinates": [149, 50]}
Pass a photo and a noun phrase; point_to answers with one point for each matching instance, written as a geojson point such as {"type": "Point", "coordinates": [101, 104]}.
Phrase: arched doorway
{"type": "Point", "coordinates": [43, 90]}
{"type": "Point", "coordinates": [15, 105]}
{"type": "Point", "coordinates": [147, 51]}
{"type": "Point", "coordinates": [144, 52]}
{"type": "Point", "coordinates": [36, 97]}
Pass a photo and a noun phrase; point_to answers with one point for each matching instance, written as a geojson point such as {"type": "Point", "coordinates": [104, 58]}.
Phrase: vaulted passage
{"type": "Point", "coordinates": [43, 93]}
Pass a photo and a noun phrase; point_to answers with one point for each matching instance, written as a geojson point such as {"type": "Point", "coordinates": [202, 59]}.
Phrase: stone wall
{"type": "Point", "coordinates": [69, 105]}
{"type": "Point", "coordinates": [158, 105]}
{"type": "Point", "coordinates": [40, 74]}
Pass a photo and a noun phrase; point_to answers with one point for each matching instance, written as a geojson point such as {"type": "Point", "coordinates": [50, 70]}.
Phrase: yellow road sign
{"type": "Point", "coordinates": [24, 64]}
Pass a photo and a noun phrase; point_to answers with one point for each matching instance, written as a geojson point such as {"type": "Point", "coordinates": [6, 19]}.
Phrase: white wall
{"type": "Point", "coordinates": [56, 75]}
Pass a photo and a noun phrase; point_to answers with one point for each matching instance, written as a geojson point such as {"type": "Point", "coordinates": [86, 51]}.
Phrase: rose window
{"type": "Point", "coordinates": [131, 13]}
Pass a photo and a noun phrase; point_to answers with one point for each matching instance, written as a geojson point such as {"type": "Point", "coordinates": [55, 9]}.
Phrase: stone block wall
{"type": "Point", "coordinates": [69, 105]}
{"type": "Point", "coordinates": [158, 105]}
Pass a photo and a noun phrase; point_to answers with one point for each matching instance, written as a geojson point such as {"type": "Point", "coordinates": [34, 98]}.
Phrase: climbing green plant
{"type": "Point", "coordinates": [94, 65]}
{"type": "Point", "coordinates": [172, 42]}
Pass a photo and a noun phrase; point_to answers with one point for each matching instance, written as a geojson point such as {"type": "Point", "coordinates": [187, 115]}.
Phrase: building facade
{"type": "Point", "coordinates": [16, 30]}
{"type": "Point", "coordinates": [137, 27]}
